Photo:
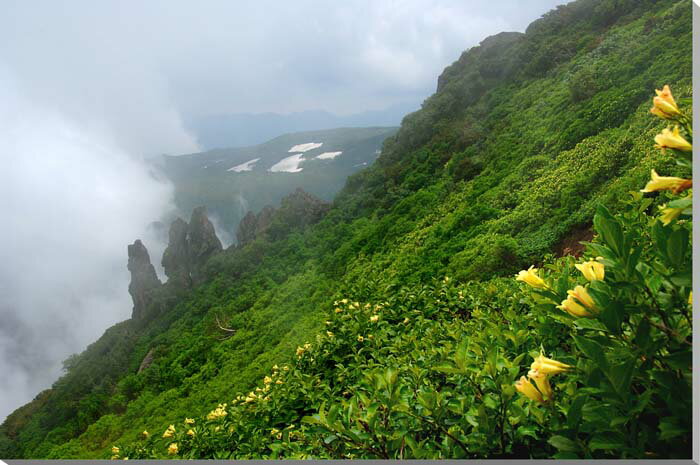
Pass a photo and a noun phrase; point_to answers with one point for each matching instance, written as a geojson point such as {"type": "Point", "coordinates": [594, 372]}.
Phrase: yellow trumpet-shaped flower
{"type": "Point", "coordinates": [669, 214]}
{"type": "Point", "coordinates": [525, 387]}
{"type": "Point", "coordinates": [667, 183]}
{"type": "Point", "coordinates": [548, 366]}
{"type": "Point", "coordinates": [189, 421]}
{"type": "Point", "coordinates": [360, 338]}
{"type": "Point", "coordinates": [172, 449]}
{"type": "Point", "coordinates": [146, 434]}
{"type": "Point", "coordinates": [115, 450]}
{"type": "Point", "coordinates": [672, 139]}
{"type": "Point", "coordinates": [581, 294]}
{"type": "Point", "coordinates": [190, 432]}
{"type": "Point", "coordinates": [169, 432]}
{"type": "Point", "coordinates": [530, 277]}
{"type": "Point", "coordinates": [574, 309]}
{"type": "Point", "coordinates": [374, 318]}
{"type": "Point", "coordinates": [267, 380]}
{"type": "Point", "coordinates": [592, 270]}
{"type": "Point", "coordinates": [665, 105]}
{"type": "Point", "coordinates": [542, 382]}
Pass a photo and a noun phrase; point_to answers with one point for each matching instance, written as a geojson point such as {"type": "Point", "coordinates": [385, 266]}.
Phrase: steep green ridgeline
{"type": "Point", "coordinates": [509, 159]}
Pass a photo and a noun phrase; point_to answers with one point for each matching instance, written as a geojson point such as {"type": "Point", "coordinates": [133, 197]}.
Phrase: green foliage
{"type": "Point", "coordinates": [527, 136]}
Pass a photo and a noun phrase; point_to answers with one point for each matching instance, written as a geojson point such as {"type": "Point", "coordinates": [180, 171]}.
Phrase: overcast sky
{"type": "Point", "coordinates": [88, 87]}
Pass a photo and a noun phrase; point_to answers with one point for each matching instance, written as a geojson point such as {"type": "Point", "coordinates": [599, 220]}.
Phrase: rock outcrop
{"type": "Point", "coordinates": [297, 211]}
{"type": "Point", "coordinates": [189, 248]}
{"type": "Point", "coordinates": [144, 280]}
{"type": "Point", "coordinates": [253, 225]}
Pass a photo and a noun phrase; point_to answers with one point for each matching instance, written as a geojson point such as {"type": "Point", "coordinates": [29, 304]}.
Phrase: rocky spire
{"type": "Point", "coordinates": [202, 241]}
{"type": "Point", "coordinates": [189, 248]}
{"type": "Point", "coordinates": [252, 225]}
{"type": "Point", "coordinates": [143, 278]}
{"type": "Point", "coordinates": [176, 257]}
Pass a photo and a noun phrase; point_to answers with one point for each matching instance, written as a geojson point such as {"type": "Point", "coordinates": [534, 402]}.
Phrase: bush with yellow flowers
{"type": "Point", "coordinates": [578, 358]}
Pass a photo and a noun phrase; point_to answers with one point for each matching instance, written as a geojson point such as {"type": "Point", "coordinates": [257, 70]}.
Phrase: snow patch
{"type": "Point", "coordinates": [289, 164]}
{"type": "Point", "coordinates": [247, 166]}
{"type": "Point", "coordinates": [328, 155]}
{"type": "Point", "coordinates": [305, 147]}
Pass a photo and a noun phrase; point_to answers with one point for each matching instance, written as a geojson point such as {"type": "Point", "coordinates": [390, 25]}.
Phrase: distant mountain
{"type": "Point", "coordinates": [231, 182]}
{"type": "Point", "coordinates": [243, 129]}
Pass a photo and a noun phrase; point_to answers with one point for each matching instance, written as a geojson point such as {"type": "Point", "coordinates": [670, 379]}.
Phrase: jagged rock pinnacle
{"type": "Point", "coordinates": [143, 278]}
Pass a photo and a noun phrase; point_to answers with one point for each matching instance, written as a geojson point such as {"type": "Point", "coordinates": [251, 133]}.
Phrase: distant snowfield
{"type": "Point", "coordinates": [289, 164]}
{"type": "Point", "coordinates": [305, 147]}
{"type": "Point", "coordinates": [328, 155]}
{"type": "Point", "coordinates": [247, 166]}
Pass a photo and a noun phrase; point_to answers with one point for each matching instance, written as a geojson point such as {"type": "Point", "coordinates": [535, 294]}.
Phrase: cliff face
{"type": "Point", "coordinates": [253, 225]}
{"type": "Point", "coordinates": [143, 278]}
{"type": "Point", "coordinates": [189, 248]}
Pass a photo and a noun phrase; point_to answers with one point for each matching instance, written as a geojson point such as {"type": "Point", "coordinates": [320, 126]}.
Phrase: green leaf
{"type": "Point", "coordinates": [592, 350]}
{"type": "Point", "coordinates": [604, 442]}
{"type": "Point", "coordinates": [573, 416]}
{"type": "Point", "coordinates": [563, 444]}
{"type": "Point", "coordinates": [677, 247]}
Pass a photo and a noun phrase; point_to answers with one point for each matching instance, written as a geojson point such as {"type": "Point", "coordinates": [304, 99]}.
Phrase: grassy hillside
{"type": "Point", "coordinates": [208, 179]}
{"type": "Point", "coordinates": [394, 327]}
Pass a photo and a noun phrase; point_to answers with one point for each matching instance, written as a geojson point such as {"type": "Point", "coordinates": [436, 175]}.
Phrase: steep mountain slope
{"type": "Point", "coordinates": [507, 163]}
{"type": "Point", "coordinates": [231, 182]}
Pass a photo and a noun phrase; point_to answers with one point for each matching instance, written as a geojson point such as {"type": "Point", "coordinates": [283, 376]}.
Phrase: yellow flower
{"type": "Point", "coordinates": [267, 380]}
{"type": "Point", "coordinates": [145, 434]}
{"type": "Point", "coordinates": [360, 338]}
{"type": "Point", "coordinates": [172, 449]}
{"type": "Point", "coordinates": [338, 310]}
{"type": "Point", "coordinates": [405, 320]}
{"type": "Point", "coordinates": [217, 413]}
{"type": "Point", "coordinates": [300, 351]}
{"type": "Point", "coordinates": [525, 387]}
{"type": "Point", "coordinates": [542, 382]}
{"type": "Point", "coordinates": [190, 432]}
{"type": "Point", "coordinates": [530, 277]}
{"type": "Point", "coordinates": [279, 381]}
{"type": "Point", "coordinates": [548, 366]}
{"type": "Point", "coordinates": [672, 140]}
{"type": "Point", "coordinates": [664, 104]}
{"type": "Point", "coordinates": [581, 294]}
{"type": "Point", "coordinates": [669, 214]}
{"type": "Point", "coordinates": [667, 183]}
{"type": "Point", "coordinates": [573, 308]}
{"type": "Point", "coordinates": [115, 457]}
{"type": "Point", "coordinates": [169, 432]}
{"type": "Point", "coordinates": [115, 450]}
{"type": "Point", "coordinates": [274, 431]}
{"type": "Point", "coordinates": [374, 318]}
{"type": "Point", "coordinates": [189, 421]}
{"type": "Point", "coordinates": [329, 334]}
{"type": "Point", "coordinates": [592, 270]}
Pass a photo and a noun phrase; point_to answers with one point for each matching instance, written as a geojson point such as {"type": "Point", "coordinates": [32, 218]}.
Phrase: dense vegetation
{"type": "Point", "coordinates": [394, 327]}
